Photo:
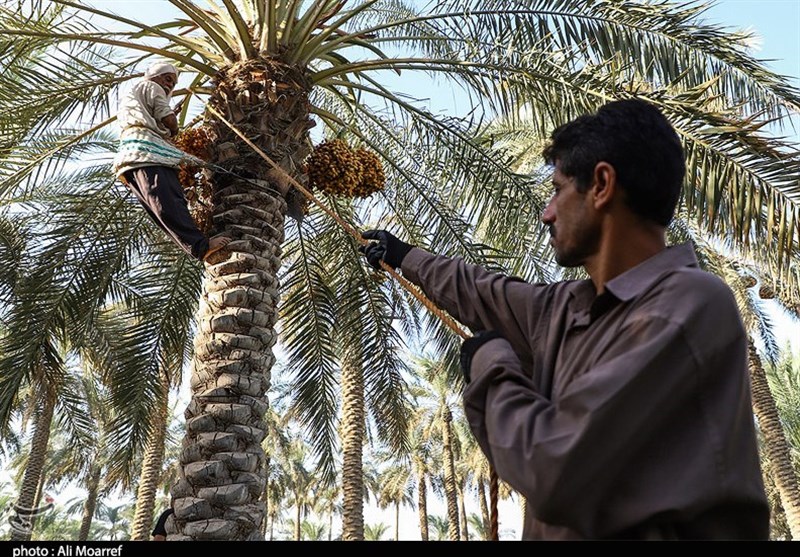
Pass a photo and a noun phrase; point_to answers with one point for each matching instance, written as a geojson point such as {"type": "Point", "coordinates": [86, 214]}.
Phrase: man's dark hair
{"type": "Point", "coordinates": [638, 141]}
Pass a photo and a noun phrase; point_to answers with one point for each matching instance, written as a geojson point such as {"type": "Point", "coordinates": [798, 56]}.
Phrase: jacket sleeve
{"type": "Point", "coordinates": [565, 457]}
{"type": "Point", "coordinates": [158, 101]}
{"type": "Point", "coordinates": [477, 298]}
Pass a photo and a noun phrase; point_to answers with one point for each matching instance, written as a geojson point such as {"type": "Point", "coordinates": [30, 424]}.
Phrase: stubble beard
{"type": "Point", "coordinates": [585, 244]}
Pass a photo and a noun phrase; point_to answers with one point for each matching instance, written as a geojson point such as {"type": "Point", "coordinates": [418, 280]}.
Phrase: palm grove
{"type": "Point", "coordinates": [100, 315]}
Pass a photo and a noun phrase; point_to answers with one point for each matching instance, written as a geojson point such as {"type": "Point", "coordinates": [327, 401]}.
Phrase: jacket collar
{"type": "Point", "coordinates": [638, 279]}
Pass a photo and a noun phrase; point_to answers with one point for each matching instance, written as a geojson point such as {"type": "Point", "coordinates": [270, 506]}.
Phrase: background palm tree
{"type": "Point", "coordinates": [439, 527]}
{"type": "Point", "coordinates": [784, 383]}
{"type": "Point", "coordinates": [349, 311]}
{"type": "Point", "coordinates": [353, 437]}
{"type": "Point", "coordinates": [421, 468]}
{"type": "Point", "coordinates": [299, 485]}
{"type": "Point", "coordinates": [375, 532]}
{"type": "Point", "coordinates": [395, 492]}
{"type": "Point", "coordinates": [152, 463]}
{"type": "Point", "coordinates": [437, 402]}
{"type": "Point", "coordinates": [329, 505]}
{"type": "Point", "coordinates": [313, 532]}
{"type": "Point", "coordinates": [26, 509]}
{"type": "Point", "coordinates": [777, 449]}
{"type": "Point", "coordinates": [113, 524]}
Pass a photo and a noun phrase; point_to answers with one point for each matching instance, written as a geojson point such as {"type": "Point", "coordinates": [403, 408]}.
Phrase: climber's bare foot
{"type": "Point", "coordinates": [215, 244]}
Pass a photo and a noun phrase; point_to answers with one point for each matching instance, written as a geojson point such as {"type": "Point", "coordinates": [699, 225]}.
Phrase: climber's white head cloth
{"type": "Point", "coordinates": [159, 68]}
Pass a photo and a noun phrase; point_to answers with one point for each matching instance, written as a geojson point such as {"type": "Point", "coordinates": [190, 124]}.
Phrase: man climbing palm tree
{"type": "Point", "coordinates": [147, 163]}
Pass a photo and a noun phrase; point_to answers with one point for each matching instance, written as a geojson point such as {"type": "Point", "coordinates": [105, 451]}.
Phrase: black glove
{"type": "Point", "coordinates": [471, 345]}
{"type": "Point", "coordinates": [388, 249]}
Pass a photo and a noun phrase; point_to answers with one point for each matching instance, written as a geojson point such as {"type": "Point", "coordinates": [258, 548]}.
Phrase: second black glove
{"type": "Point", "coordinates": [470, 347]}
{"type": "Point", "coordinates": [388, 248]}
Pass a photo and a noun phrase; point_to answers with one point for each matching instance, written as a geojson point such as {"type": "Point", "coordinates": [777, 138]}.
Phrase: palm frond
{"type": "Point", "coordinates": [308, 320]}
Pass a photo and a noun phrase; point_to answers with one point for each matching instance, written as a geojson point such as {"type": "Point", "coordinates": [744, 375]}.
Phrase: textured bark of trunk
{"type": "Point", "coordinates": [222, 477]}
{"type": "Point", "coordinates": [89, 506]}
{"type": "Point", "coordinates": [38, 498]}
{"type": "Point", "coordinates": [353, 430]}
{"type": "Point", "coordinates": [775, 443]}
{"type": "Point", "coordinates": [152, 469]}
{"type": "Point", "coordinates": [265, 525]}
{"type": "Point", "coordinates": [484, 509]}
{"type": "Point", "coordinates": [298, 517]}
{"type": "Point", "coordinates": [463, 512]}
{"type": "Point", "coordinates": [218, 495]}
{"type": "Point", "coordinates": [25, 510]}
{"type": "Point", "coordinates": [422, 504]}
{"type": "Point", "coordinates": [451, 493]}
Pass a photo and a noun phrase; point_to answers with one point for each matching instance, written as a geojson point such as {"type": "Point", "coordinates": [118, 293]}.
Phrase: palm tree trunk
{"type": "Point", "coordinates": [298, 515]}
{"type": "Point", "coordinates": [39, 489]}
{"type": "Point", "coordinates": [25, 507]}
{"type": "Point", "coordinates": [463, 508]}
{"type": "Point", "coordinates": [775, 444]}
{"type": "Point", "coordinates": [397, 522]}
{"type": "Point", "coordinates": [484, 509]}
{"type": "Point", "coordinates": [38, 498]}
{"type": "Point", "coordinates": [272, 527]}
{"type": "Point", "coordinates": [152, 465]}
{"type": "Point", "coordinates": [422, 503]}
{"type": "Point", "coordinates": [451, 494]}
{"type": "Point", "coordinates": [265, 497]}
{"type": "Point", "coordinates": [89, 506]}
{"type": "Point", "coordinates": [353, 430]}
{"type": "Point", "coordinates": [218, 496]}
{"type": "Point", "coordinates": [778, 528]}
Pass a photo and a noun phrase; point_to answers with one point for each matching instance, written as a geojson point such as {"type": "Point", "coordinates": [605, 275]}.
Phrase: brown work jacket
{"type": "Point", "coordinates": [624, 415]}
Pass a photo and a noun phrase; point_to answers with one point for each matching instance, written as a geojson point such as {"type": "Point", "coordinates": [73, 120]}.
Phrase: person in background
{"type": "Point", "coordinates": [148, 163]}
{"type": "Point", "coordinates": [619, 406]}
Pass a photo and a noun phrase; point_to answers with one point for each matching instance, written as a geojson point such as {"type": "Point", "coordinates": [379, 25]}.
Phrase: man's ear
{"type": "Point", "coordinates": [604, 185]}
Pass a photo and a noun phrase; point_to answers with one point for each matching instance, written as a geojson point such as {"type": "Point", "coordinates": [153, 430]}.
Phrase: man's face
{"type": "Point", "coordinates": [167, 81]}
{"type": "Point", "coordinates": [574, 231]}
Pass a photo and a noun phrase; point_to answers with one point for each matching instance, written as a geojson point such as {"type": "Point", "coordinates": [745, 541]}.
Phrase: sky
{"type": "Point", "coordinates": [777, 24]}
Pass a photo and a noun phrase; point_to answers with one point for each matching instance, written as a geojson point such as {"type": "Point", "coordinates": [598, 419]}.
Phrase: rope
{"type": "Point", "coordinates": [410, 287]}
{"type": "Point", "coordinates": [494, 488]}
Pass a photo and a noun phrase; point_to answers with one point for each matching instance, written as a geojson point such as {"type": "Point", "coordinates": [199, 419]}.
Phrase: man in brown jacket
{"type": "Point", "coordinates": [619, 406]}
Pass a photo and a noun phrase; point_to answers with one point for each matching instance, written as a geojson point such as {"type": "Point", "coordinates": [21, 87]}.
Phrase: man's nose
{"type": "Point", "coordinates": [549, 214]}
